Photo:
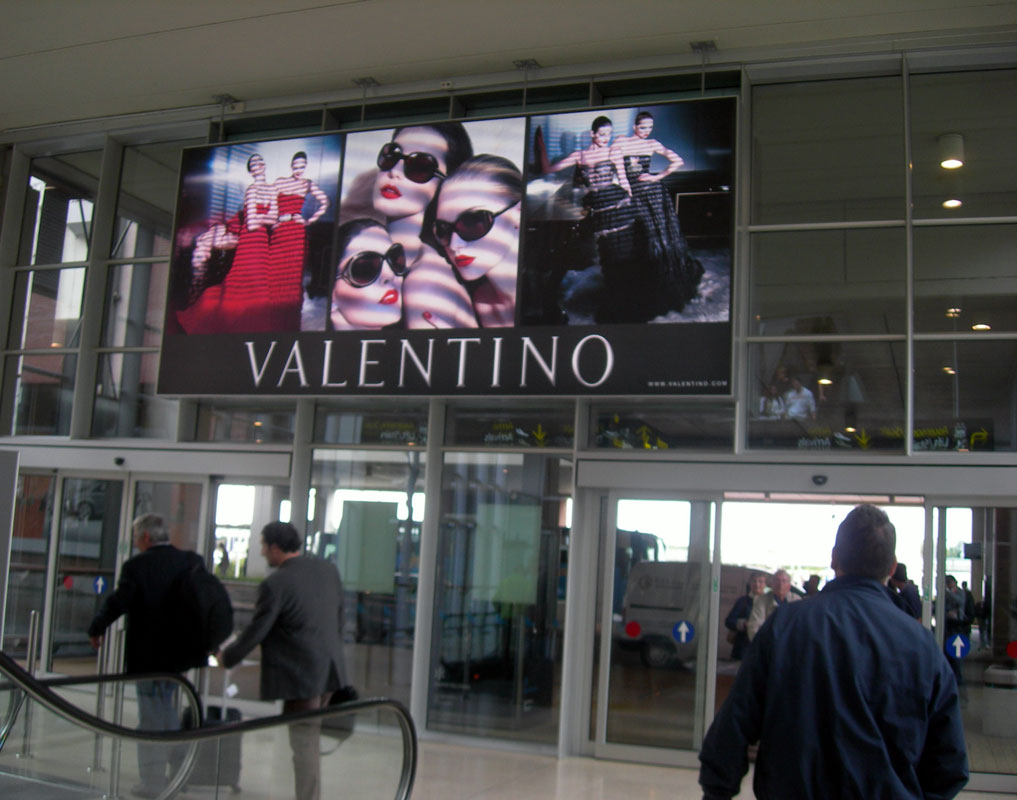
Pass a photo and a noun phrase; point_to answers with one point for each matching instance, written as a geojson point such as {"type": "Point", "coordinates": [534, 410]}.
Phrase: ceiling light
{"type": "Point", "coordinates": [981, 326]}
{"type": "Point", "coordinates": [850, 429]}
{"type": "Point", "coordinates": [953, 313]}
{"type": "Point", "coordinates": [951, 151]}
{"type": "Point", "coordinates": [825, 382]}
{"type": "Point", "coordinates": [949, 370]}
{"type": "Point", "coordinates": [952, 203]}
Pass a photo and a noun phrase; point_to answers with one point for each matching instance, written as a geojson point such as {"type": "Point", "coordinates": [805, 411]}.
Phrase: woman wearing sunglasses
{"type": "Point", "coordinates": [411, 167]}
{"type": "Point", "coordinates": [367, 294]}
{"type": "Point", "coordinates": [477, 226]}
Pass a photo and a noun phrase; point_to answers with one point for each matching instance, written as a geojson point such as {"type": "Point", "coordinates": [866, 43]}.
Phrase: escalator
{"type": "Point", "coordinates": [78, 738]}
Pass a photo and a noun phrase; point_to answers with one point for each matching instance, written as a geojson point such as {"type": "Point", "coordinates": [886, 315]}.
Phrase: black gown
{"type": "Point", "coordinates": [672, 272]}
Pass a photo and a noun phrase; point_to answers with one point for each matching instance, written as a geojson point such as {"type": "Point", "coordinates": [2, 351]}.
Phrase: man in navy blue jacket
{"type": "Point", "coordinates": [847, 697]}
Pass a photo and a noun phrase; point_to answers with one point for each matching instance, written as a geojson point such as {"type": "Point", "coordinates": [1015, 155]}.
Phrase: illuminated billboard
{"type": "Point", "coordinates": [579, 253]}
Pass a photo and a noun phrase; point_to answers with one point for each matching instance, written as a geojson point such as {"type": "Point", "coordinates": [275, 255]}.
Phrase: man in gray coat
{"type": "Point", "coordinates": [298, 623]}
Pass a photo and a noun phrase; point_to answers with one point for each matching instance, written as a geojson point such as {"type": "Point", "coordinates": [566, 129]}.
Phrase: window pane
{"type": "Point", "coordinates": [520, 427]}
{"type": "Point", "coordinates": [389, 424]}
{"type": "Point", "coordinates": [148, 190]}
{"type": "Point", "coordinates": [812, 282]}
{"type": "Point", "coordinates": [828, 151]}
{"type": "Point", "coordinates": [222, 423]}
{"type": "Point", "coordinates": [860, 408]}
{"type": "Point", "coordinates": [982, 108]}
{"type": "Point", "coordinates": [46, 309]}
{"type": "Point", "coordinates": [965, 276]}
{"type": "Point", "coordinates": [702, 426]}
{"type": "Point", "coordinates": [125, 401]}
{"type": "Point", "coordinates": [43, 388]}
{"type": "Point", "coordinates": [499, 606]}
{"type": "Point", "coordinates": [57, 225]}
{"type": "Point", "coordinates": [135, 305]}
{"type": "Point", "coordinates": [964, 395]}
{"type": "Point", "coordinates": [367, 508]}
{"type": "Point", "coordinates": [26, 577]}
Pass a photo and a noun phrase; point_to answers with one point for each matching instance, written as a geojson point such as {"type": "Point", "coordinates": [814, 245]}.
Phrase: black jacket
{"type": "Point", "coordinates": [156, 641]}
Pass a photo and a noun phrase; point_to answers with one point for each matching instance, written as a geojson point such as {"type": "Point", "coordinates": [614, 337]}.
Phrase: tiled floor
{"type": "Point", "coordinates": [457, 772]}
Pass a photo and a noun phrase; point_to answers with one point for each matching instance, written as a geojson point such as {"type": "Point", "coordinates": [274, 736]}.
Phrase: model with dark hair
{"type": "Point", "coordinates": [289, 241]}
{"type": "Point", "coordinates": [670, 275]}
{"type": "Point", "coordinates": [367, 294]}
{"type": "Point", "coordinates": [243, 302]}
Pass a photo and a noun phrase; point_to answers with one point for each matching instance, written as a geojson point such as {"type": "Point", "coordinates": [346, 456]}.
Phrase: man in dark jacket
{"type": "Point", "coordinates": [878, 700]}
{"type": "Point", "coordinates": [905, 593]}
{"type": "Point", "coordinates": [155, 640]}
{"type": "Point", "coordinates": [298, 622]}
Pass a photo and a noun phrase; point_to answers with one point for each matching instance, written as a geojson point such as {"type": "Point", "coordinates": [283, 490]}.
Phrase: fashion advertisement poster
{"type": "Point", "coordinates": [578, 253]}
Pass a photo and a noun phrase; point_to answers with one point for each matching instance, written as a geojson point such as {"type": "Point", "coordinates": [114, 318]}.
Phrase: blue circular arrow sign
{"type": "Point", "coordinates": [958, 646]}
{"type": "Point", "coordinates": [683, 631]}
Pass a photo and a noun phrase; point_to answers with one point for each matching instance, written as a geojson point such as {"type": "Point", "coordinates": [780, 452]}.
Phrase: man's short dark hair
{"type": "Point", "coordinates": [866, 544]}
{"type": "Point", "coordinates": [282, 535]}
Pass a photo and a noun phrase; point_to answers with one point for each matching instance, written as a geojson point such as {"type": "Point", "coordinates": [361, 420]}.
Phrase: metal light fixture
{"type": "Point", "coordinates": [951, 151]}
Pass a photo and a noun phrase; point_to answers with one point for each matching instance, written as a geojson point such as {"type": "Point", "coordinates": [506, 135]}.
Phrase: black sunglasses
{"type": "Point", "coordinates": [470, 225]}
{"type": "Point", "coordinates": [365, 268]}
{"type": "Point", "coordinates": [418, 167]}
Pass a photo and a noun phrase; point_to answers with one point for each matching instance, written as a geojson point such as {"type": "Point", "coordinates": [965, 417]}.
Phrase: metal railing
{"type": "Point", "coordinates": [72, 748]}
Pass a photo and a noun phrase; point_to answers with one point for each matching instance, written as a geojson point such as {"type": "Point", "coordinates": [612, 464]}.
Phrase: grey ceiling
{"type": "Point", "coordinates": [66, 60]}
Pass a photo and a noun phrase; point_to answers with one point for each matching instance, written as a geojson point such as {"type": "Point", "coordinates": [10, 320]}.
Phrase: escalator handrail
{"type": "Point", "coordinates": [41, 693]}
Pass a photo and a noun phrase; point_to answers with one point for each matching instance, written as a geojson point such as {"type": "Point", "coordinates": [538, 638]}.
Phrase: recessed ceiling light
{"type": "Point", "coordinates": [850, 429]}
{"type": "Point", "coordinates": [824, 382]}
{"type": "Point", "coordinates": [951, 151]}
{"type": "Point", "coordinates": [981, 326]}
{"type": "Point", "coordinates": [953, 312]}
{"type": "Point", "coordinates": [952, 203]}
{"type": "Point", "coordinates": [949, 370]}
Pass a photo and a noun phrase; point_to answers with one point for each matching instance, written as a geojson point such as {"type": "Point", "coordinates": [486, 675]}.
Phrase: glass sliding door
{"type": "Point", "coordinates": [84, 569]}
{"type": "Point", "coordinates": [499, 604]}
{"type": "Point", "coordinates": [655, 608]}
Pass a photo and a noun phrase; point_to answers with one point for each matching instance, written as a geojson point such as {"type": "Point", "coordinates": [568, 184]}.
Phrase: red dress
{"type": "Point", "coordinates": [289, 249]}
{"type": "Point", "coordinates": [243, 302]}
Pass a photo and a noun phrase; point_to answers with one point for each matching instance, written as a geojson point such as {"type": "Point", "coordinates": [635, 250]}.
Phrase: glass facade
{"type": "Point", "coordinates": [865, 326]}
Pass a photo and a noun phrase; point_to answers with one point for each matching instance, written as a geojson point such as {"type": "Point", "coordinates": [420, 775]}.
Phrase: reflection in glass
{"type": "Point", "coordinates": [26, 576]}
{"type": "Point", "coordinates": [828, 151]}
{"type": "Point", "coordinates": [703, 426]}
{"type": "Point", "coordinates": [981, 109]}
{"type": "Point", "coordinates": [135, 303]}
{"type": "Point", "coordinates": [58, 209]}
{"type": "Point", "coordinates": [979, 547]}
{"type": "Point", "coordinates": [365, 510]}
{"type": "Point", "coordinates": [43, 389]}
{"type": "Point", "coordinates": [86, 553]}
{"type": "Point", "coordinates": [843, 281]}
{"type": "Point", "coordinates": [387, 423]}
{"type": "Point", "coordinates": [148, 189]}
{"type": "Point", "coordinates": [46, 311]}
{"type": "Point", "coordinates": [966, 275]}
{"type": "Point", "coordinates": [520, 427]}
{"type": "Point", "coordinates": [964, 395]}
{"type": "Point", "coordinates": [496, 642]}
{"type": "Point", "coordinates": [661, 564]}
{"type": "Point", "coordinates": [179, 504]}
{"type": "Point", "coordinates": [226, 423]}
{"type": "Point", "coordinates": [126, 404]}
{"type": "Point", "coordinates": [843, 396]}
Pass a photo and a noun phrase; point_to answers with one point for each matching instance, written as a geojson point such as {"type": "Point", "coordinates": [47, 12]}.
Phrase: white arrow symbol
{"type": "Point", "coordinates": [958, 646]}
{"type": "Point", "coordinates": [99, 583]}
{"type": "Point", "coordinates": [683, 630]}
